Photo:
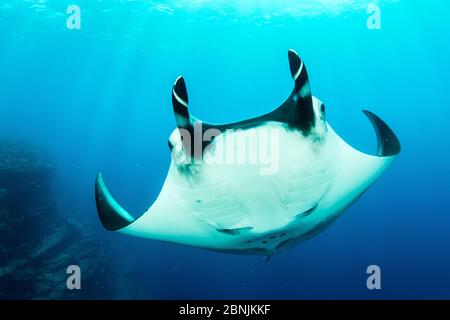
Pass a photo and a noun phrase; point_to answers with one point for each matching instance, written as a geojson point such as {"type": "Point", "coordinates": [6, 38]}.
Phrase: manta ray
{"type": "Point", "coordinates": [234, 208]}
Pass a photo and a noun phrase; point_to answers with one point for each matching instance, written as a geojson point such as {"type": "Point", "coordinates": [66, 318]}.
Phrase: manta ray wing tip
{"type": "Point", "coordinates": [388, 143]}
{"type": "Point", "coordinates": [112, 216]}
{"type": "Point", "coordinates": [99, 176]}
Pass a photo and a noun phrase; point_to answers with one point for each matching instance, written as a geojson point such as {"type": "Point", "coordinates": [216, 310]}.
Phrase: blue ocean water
{"type": "Point", "coordinates": [99, 98]}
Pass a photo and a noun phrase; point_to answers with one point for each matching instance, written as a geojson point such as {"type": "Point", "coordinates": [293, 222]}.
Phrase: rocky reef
{"type": "Point", "coordinates": [37, 242]}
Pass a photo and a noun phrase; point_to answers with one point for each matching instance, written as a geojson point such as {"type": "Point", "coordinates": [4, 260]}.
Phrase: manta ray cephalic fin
{"type": "Point", "coordinates": [297, 111]}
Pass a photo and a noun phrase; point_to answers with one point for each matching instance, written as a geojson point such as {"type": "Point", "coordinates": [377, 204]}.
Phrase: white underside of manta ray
{"type": "Point", "coordinates": [233, 207]}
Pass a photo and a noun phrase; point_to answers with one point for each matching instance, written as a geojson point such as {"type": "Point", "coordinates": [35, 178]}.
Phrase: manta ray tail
{"type": "Point", "coordinates": [112, 216]}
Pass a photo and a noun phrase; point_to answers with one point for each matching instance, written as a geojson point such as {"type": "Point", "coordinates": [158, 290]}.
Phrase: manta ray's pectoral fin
{"type": "Point", "coordinates": [387, 141]}
{"type": "Point", "coordinates": [357, 171]}
{"type": "Point", "coordinates": [112, 216]}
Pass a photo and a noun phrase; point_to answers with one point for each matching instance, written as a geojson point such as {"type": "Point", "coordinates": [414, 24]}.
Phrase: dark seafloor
{"type": "Point", "coordinates": [38, 241]}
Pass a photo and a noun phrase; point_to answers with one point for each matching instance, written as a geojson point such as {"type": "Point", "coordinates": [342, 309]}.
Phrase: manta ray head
{"type": "Point", "coordinates": [256, 186]}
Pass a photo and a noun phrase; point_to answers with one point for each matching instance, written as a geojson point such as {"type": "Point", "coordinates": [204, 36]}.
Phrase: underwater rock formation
{"type": "Point", "coordinates": [38, 243]}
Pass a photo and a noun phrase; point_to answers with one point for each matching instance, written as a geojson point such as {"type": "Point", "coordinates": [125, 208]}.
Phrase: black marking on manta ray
{"type": "Point", "coordinates": [264, 240]}
{"type": "Point", "coordinates": [107, 208]}
{"type": "Point", "coordinates": [307, 212]}
{"type": "Point", "coordinates": [170, 145]}
{"type": "Point", "coordinates": [234, 231]}
{"type": "Point", "coordinates": [388, 143]}
{"type": "Point", "coordinates": [241, 125]}
{"type": "Point", "coordinates": [267, 239]}
{"type": "Point", "coordinates": [284, 114]}
{"type": "Point", "coordinates": [296, 112]}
